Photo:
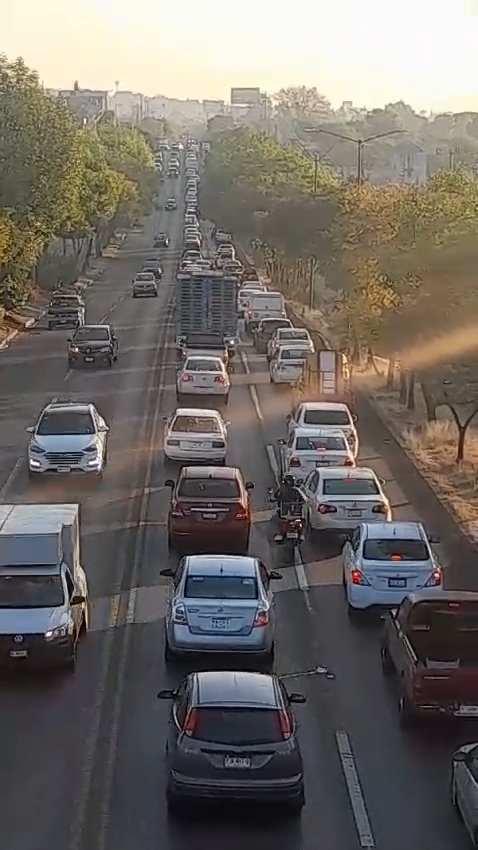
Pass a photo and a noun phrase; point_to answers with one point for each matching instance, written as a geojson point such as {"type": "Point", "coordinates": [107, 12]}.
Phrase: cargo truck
{"type": "Point", "coordinates": [206, 310]}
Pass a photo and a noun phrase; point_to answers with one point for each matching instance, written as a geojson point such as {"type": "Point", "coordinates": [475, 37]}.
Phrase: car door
{"type": "Point", "coordinates": [310, 488]}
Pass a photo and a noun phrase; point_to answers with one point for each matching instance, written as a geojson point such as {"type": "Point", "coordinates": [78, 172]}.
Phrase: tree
{"type": "Point", "coordinates": [301, 103]}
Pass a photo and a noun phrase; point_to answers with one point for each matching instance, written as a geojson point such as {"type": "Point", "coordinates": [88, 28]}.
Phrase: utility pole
{"type": "Point", "coordinates": [358, 142]}
{"type": "Point", "coordinates": [313, 261]}
{"type": "Point", "coordinates": [316, 172]}
{"type": "Point", "coordinates": [359, 162]}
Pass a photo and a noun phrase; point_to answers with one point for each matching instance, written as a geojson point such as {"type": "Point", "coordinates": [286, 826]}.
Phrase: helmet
{"type": "Point", "coordinates": [289, 480]}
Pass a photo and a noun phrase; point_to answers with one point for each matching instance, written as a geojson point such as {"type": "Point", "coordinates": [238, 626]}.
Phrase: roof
{"type": "Point", "coordinates": [210, 472]}
{"type": "Point", "coordinates": [324, 405]}
{"type": "Point", "coordinates": [301, 330]}
{"type": "Point", "coordinates": [388, 530]}
{"type": "Point", "coordinates": [227, 686]}
{"type": "Point", "coordinates": [90, 327]}
{"type": "Point", "coordinates": [318, 431]}
{"type": "Point", "coordinates": [68, 407]}
{"type": "Point", "coordinates": [214, 565]}
{"type": "Point", "coordinates": [346, 472]}
{"type": "Point", "coordinates": [196, 411]}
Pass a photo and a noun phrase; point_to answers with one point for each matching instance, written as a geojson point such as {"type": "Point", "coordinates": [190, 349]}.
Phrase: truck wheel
{"type": "Point", "coordinates": [387, 664]}
{"type": "Point", "coordinates": [50, 326]}
{"type": "Point", "coordinates": [110, 362]}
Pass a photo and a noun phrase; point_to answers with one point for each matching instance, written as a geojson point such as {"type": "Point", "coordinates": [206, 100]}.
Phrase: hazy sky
{"type": "Point", "coordinates": [368, 51]}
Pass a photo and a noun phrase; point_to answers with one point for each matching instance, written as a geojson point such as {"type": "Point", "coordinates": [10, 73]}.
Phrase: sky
{"type": "Point", "coordinates": [369, 51]}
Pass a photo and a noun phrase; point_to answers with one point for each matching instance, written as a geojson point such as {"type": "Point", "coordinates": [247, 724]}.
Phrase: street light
{"type": "Point", "coordinates": [313, 155]}
{"type": "Point", "coordinates": [359, 142]}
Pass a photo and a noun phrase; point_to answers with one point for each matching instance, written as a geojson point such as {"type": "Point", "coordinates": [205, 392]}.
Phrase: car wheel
{"type": "Point", "coordinates": [50, 326]}
{"type": "Point", "coordinates": [85, 622]}
{"type": "Point", "coordinates": [388, 666]}
{"type": "Point", "coordinates": [109, 362]}
{"type": "Point", "coordinates": [453, 796]}
{"type": "Point", "coordinates": [406, 712]}
{"type": "Point", "coordinates": [354, 614]}
{"type": "Point", "coordinates": [71, 363]}
{"type": "Point", "coordinates": [172, 802]}
{"type": "Point", "coordinates": [295, 806]}
{"type": "Point", "coordinates": [226, 400]}
{"type": "Point", "coordinates": [244, 550]}
{"type": "Point", "coordinates": [70, 663]}
{"type": "Point", "coordinates": [169, 655]}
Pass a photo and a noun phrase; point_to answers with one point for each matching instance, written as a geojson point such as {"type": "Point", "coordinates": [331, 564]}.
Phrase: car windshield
{"type": "Point", "coordinates": [395, 550]}
{"type": "Point", "coordinates": [65, 423]}
{"type": "Point", "coordinates": [145, 276]}
{"type": "Point", "coordinates": [238, 726]}
{"type": "Point", "coordinates": [27, 591]}
{"type": "Point", "coordinates": [196, 424]}
{"type": "Point", "coordinates": [293, 354]}
{"type": "Point", "coordinates": [350, 487]}
{"type": "Point", "coordinates": [64, 301]}
{"type": "Point", "coordinates": [326, 417]}
{"type": "Point", "coordinates": [205, 365]}
{"type": "Point", "coordinates": [92, 335]}
{"type": "Point", "coordinates": [221, 587]}
{"type": "Point", "coordinates": [209, 488]}
{"type": "Point", "coordinates": [320, 444]}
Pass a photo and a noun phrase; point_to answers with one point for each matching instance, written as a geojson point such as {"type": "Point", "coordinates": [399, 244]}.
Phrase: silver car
{"type": "Point", "coordinates": [232, 736]}
{"type": "Point", "coordinates": [464, 787]}
{"type": "Point", "coordinates": [221, 604]}
{"type": "Point", "coordinates": [68, 437]}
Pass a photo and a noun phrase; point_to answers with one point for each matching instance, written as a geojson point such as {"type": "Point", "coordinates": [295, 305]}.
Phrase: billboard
{"type": "Point", "coordinates": [247, 97]}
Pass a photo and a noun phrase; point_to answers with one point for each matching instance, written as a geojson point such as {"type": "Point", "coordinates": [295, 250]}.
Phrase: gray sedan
{"type": "Point", "coordinates": [464, 787]}
{"type": "Point", "coordinates": [220, 604]}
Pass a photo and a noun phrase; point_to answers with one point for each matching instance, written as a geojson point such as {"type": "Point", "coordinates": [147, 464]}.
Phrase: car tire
{"type": "Point", "coordinates": [110, 362]}
{"type": "Point", "coordinates": [71, 363]}
{"type": "Point", "coordinates": [169, 655]}
{"type": "Point", "coordinates": [354, 614]}
{"type": "Point", "coordinates": [388, 667]}
{"type": "Point", "coordinates": [226, 400]}
{"type": "Point", "coordinates": [295, 806]}
{"type": "Point", "coordinates": [172, 802]}
{"type": "Point", "coordinates": [244, 550]}
{"type": "Point", "coordinates": [50, 326]}
{"type": "Point", "coordinates": [70, 663]}
{"type": "Point", "coordinates": [406, 713]}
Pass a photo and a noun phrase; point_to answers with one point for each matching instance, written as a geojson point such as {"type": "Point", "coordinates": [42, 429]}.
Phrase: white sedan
{"type": "Point", "coordinates": [193, 434]}
{"type": "Point", "coordinates": [325, 414]}
{"type": "Point", "coordinates": [283, 336]}
{"type": "Point", "coordinates": [385, 561]}
{"type": "Point", "coordinates": [464, 787]}
{"type": "Point", "coordinates": [307, 449]}
{"type": "Point", "coordinates": [202, 376]}
{"type": "Point", "coordinates": [338, 499]}
{"type": "Point", "coordinates": [287, 365]}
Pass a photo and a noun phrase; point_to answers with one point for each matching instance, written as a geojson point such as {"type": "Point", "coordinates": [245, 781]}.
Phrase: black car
{"type": "Point", "coordinates": [161, 240]}
{"type": "Point", "coordinates": [65, 310]}
{"type": "Point", "coordinates": [266, 330]}
{"type": "Point", "coordinates": [93, 345]}
{"type": "Point", "coordinates": [152, 264]}
{"type": "Point", "coordinates": [232, 736]}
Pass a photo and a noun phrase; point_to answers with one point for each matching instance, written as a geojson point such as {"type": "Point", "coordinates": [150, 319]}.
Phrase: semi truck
{"type": "Point", "coordinates": [206, 304]}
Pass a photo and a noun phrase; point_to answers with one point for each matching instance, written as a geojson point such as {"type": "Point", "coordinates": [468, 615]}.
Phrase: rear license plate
{"type": "Point", "coordinates": [209, 516]}
{"type": "Point", "coordinates": [237, 762]}
{"type": "Point", "coordinates": [397, 582]}
{"type": "Point", "coordinates": [322, 462]}
{"type": "Point", "coordinates": [64, 468]}
{"type": "Point", "coordinates": [18, 653]}
{"type": "Point", "coordinates": [355, 513]}
{"type": "Point", "coordinates": [467, 711]}
{"type": "Point", "coordinates": [219, 623]}
{"type": "Point", "coordinates": [192, 445]}
{"type": "Point", "coordinates": [89, 359]}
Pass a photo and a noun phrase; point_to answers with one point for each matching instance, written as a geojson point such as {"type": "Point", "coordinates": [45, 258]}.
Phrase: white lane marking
{"type": "Point", "coordinates": [68, 375]}
{"type": "Point", "coordinates": [302, 578]}
{"type": "Point", "coordinates": [354, 789]}
{"type": "Point", "coordinates": [12, 476]}
{"type": "Point", "coordinates": [131, 609]}
{"type": "Point", "coordinates": [252, 389]}
{"type": "Point", "coordinates": [273, 463]}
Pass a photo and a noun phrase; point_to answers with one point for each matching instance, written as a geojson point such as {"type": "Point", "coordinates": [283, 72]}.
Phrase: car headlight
{"type": "Point", "coordinates": [36, 449]}
{"type": "Point", "coordinates": [74, 349]}
{"type": "Point", "coordinates": [91, 449]}
{"type": "Point", "coordinates": [59, 632]}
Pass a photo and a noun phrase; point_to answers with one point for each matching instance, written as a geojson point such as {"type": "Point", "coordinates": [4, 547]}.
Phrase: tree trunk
{"type": "Point", "coordinates": [460, 453]}
{"type": "Point", "coordinates": [371, 361]}
{"type": "Point", "coordinates": [403, 386]}
{"type": "Point", "coordinates": [411, 391]}
{"type": "Point", "coordinates": [391, 374]}
{"type": "Point", "coordinates": [430, 404]}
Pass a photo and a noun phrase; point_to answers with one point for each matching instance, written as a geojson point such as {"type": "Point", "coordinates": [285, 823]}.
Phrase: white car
{"type": "Point", "coordinates": [68, 437]}
{"type": "Point", "coordinates": [464, 787]}
{"type": "Point", "coordinates": [385, 561]}
{"type": "Point", "coordinates": [307, 449]}
{"type": "Point", "coordinates": [245, 295]}
{"type": "Point", "coordinates": [192, 435]}
{"type": "Point", "coordinates": [284, 336]}
{"type": "Point", "coordinates": [145, 284]}
{"type": "Point", "coordinates": [202, 375]}
{"type": "Point", "coordinates": [338, 499]}
{"type": "Point", "coordinates": [287, 365]}
{"type": "Point", "coordinates": [325, 414]}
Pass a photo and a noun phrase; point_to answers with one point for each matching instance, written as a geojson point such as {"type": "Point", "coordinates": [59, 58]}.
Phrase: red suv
{"type": "Point", "coordinates": [210, 511]}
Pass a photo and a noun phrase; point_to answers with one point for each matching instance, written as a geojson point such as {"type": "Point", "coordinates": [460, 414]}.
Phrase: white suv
{"type": "Point", "coordinates": [68, 437]}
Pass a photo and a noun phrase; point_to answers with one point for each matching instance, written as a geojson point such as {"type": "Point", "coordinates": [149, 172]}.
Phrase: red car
{"type": "Point", "coordinates": [210, 511]}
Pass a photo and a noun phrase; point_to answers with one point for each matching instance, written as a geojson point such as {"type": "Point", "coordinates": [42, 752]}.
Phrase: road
{"type": "Point", "coordinates": [82, 764]}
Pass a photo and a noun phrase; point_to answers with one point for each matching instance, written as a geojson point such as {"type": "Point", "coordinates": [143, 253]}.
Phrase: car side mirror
{"type": "Point", "coordinates": [169, 483]}
{"type": "Point", "coordinates": [167, 572]}
{"type": "Point", "coordinates": [30, 429]}
{"type": "Point", "coordinates": [249, 485]}
{"type": "Point", "coordinates": [166, 693]}
{"type": "Point", "coordinates": [298, 698]}
{"type": "Point", "coordinates": [104, 429]}
{"type": "Point", "coordinates": [275, 576]}
{"type": "Point", "coordinates": [354, 417]}
{"type": "Point", "coordinates": [460, 756]}
{"type": "Point", "coordinates": [281, 442]}
{"type": "Point", "coordinates": [77, 599]}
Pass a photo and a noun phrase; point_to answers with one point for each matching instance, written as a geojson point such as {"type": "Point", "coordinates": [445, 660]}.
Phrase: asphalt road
{"type": "Point", "coordinates": [82, 756]}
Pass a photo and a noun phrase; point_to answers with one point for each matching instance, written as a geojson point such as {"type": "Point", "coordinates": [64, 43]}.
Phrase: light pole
{"type": "Point", "coordinates": [359, 142]}
{"type": "Point", "coordinates": [315, 156]}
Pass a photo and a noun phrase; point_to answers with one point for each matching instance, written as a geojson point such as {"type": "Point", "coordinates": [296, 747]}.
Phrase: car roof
{"type": "Point", "coordinates": [318, 431]}
{"type": "Point", "coordinates": [293, 328]}
{"type": "Point", "coordinates": [234, 687]}
{"type": "Point", "coordinates": [203, 356]}
{"type": "Point", "coordinates": [389, 530]}
{"type": "Point", "coordinates": [323, 405]}
{"type": "Point", "coordinates": [67, 407]}
{"type": "Point", "coordinates": [347, 472]}
{"type": "Point", "coordinates": [228, 472]}
{"type": "Point", "coordinates": [217, 565]}
{"type": "Point", "coordinates": [93, 327]}
{"type": "Point", "coordinates": [197, 411]}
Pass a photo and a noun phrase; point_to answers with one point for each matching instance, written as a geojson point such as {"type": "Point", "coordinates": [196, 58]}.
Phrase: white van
{"type": "Point", "coordinates": [264, 305]}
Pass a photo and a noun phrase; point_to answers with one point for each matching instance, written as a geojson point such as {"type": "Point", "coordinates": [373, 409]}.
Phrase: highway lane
{"type": "Point", "coordinates": [48, 722]}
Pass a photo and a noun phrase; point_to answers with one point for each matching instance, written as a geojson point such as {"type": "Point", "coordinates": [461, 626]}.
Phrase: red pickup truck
{"type": "Point", "coordinates": [431, 643]}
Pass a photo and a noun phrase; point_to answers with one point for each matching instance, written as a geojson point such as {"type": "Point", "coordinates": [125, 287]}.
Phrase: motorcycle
{"type": "Point", "coordinates": [291, 522]}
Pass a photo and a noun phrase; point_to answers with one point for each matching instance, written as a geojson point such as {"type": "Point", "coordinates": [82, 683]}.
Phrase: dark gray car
{"type": "Point", "coordinates": [232, 736]}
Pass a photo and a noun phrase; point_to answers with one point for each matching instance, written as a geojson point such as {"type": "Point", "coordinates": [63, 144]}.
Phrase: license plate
{"type": "Point", "coordinates": [196, 445]}
{"type": "Point", "coordinates": [18, 653]}
{"type": "Point", "coordinates": [237, 762]}
{"type": "Point", "coordinates": [209, 516]}
{"type": "Point", "coordinates": [322, 462]}
{"type": "Point", "coordinates": [355, 513]}
{"type": "Point", "coordinates": [397, 582]}
{"type": "Point", "coordinates": [292, 535]}
{"type": "Point", "coordinates": [89, 359]}
{"type": "Point", "coordinates": [219, 623]}
{"type": "Point", "coordinates": [64, 468]}
{"type": "Point", "coordinates": [468, 711]}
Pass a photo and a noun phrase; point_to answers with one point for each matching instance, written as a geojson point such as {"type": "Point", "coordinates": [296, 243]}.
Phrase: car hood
{"type": "Point", "coordinates": [64, 442]}
{"type": "Point", "coordinates": [30, 620]}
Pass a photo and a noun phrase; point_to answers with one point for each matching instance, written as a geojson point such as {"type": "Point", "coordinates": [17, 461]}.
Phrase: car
{"type": "Point", "coordinates": [221, 604]}
{"type": "Point", "coordinates": [68, 437]}
{"type": "Point", "coordinates": [152, 264]}
{"type": "Point", "coordinates": [65, 309]}
{"type": "Point", "coordinates": [385, 561]}
{"type": "Point", "coordinates": [195, 434]}
{"type": "Point", "coordinates": [192, 243]}
{"type": "Point", "coordinates": [464, 787]}
{"type": "Point", "coordinates": [145, 284]}
{"type": "Point", "coordinates": [266, 330]}
{"type": "Point", "coordinates": [244, 297]}
{"type": "Point", "coordinates": [232, 736]}
{"type": "Point", "coordinates": [288, 334]}
{"type": "Point", "coordinates": [203, 375]}
{"type": "Point", "coordinates": [191, 221]}
{"type": "Point", "coordinates": [326, 414]}
{"type": "Point", "coordinates": [338, 499]}
{"type": "Point", "coordinates": [171, 204]}
{"type": "Point", "coordinates": [287, 364]}
{"type": "Point", "coordinates": [307, 449]}
{"type": "Point", "coordinates": [210, 510]}
{"type": "Point", "coordinates": [93, 345]}
{"type": "Point", "coordinates": [161, 240]}
{"type": "Point", "coordinates": [233, 267]}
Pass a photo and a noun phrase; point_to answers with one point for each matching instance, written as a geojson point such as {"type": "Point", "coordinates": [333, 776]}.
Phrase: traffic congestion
{"type": "Point", "coordinates": [270, 619]}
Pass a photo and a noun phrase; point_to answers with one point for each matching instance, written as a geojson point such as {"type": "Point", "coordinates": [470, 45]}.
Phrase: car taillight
{"type": "Point", "coordinates": [219, 379]}
{"type": "Point", "coordinates": [326, 509]}
{"type": "Point", "coordinates": [191, 722]}
{"type": "Point", "coordinates": [241, 513]}
{"type": "Point", "coordinates": [358, 578]}
{"type": "Point", "coordinates": [261, 618]}
{"type": "Point", "coordinates": [380, 509]}
{"type": "Point", "coordinates": [435, 579]}
{"type": "Point", "coordinates": [176, 510]}
{"type": "Point", "coordinates": [285, 724]}
{"type": "Point", "coordinates": [185, 378]}
{"type": "Point", "coordinates": [294, 461]}
{"type": "Point", "coordinates": [179, 615]}
{"type": "Point", "coordinates": [218, 444]}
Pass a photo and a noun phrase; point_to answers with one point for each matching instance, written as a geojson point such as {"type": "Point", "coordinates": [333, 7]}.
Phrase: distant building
{"type": "Point", "coordinates": [88, 105]}
{"type": "Point", "coordinates": [213, 107]}
{"type": "Point", "coordinates": [175, 110]}
{"type": "Point", "coordinates": [128, 106]}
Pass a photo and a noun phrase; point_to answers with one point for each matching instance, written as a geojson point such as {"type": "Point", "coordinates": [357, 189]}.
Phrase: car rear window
{"type": "Point", "coordinates": [270, 327]}
{"type": "Point", "coordinates": [316, 443]}
{"type": "Point", "coordinates": [291, 334]}
{"type": "Point", "coordinates": [196, 424]}
{"type": "Point", "coordinates": [293, 354]}
{"type": "Point", "coordinates": [238, 726]}
{"type": "Point", "coordinates": [203, 366]}
{"type": "Point", "coordinates": [395, 550]}
{"type": "Point", "coordinates": [209, 488]}
{"type": "Point", "coordinates": [221, 587]}
{"type": "Point", "coordinates": [350, 487]}
{"type": "Point", "coordinates": [326, 417]}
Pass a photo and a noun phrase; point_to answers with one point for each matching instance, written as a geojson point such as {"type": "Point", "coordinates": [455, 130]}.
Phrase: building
{"type": "Point", "coordinates": [88, 105]}
{"type": "Point", "coordinates": [128, 106]}
{"type": "Point", "coordinates": [175, 110]}
{"type": "Point", "coordinates": [213, 107]}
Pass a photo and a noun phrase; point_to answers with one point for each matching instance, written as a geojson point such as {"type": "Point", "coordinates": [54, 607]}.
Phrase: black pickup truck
{"type": "Point", "coordinates": [65, 310]}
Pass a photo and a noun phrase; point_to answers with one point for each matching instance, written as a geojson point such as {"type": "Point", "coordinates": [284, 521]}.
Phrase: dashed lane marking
{"type": "Point", "coordinates": [302, 578]}
{"type": "Point", "coordinates": [252, 389]}
{"type": "Point", "coordinates": [273, 463]}
{"type": "Point", "coordinates": [354, 789]}
{"type": "Point", "coordinates": [14, 472]}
